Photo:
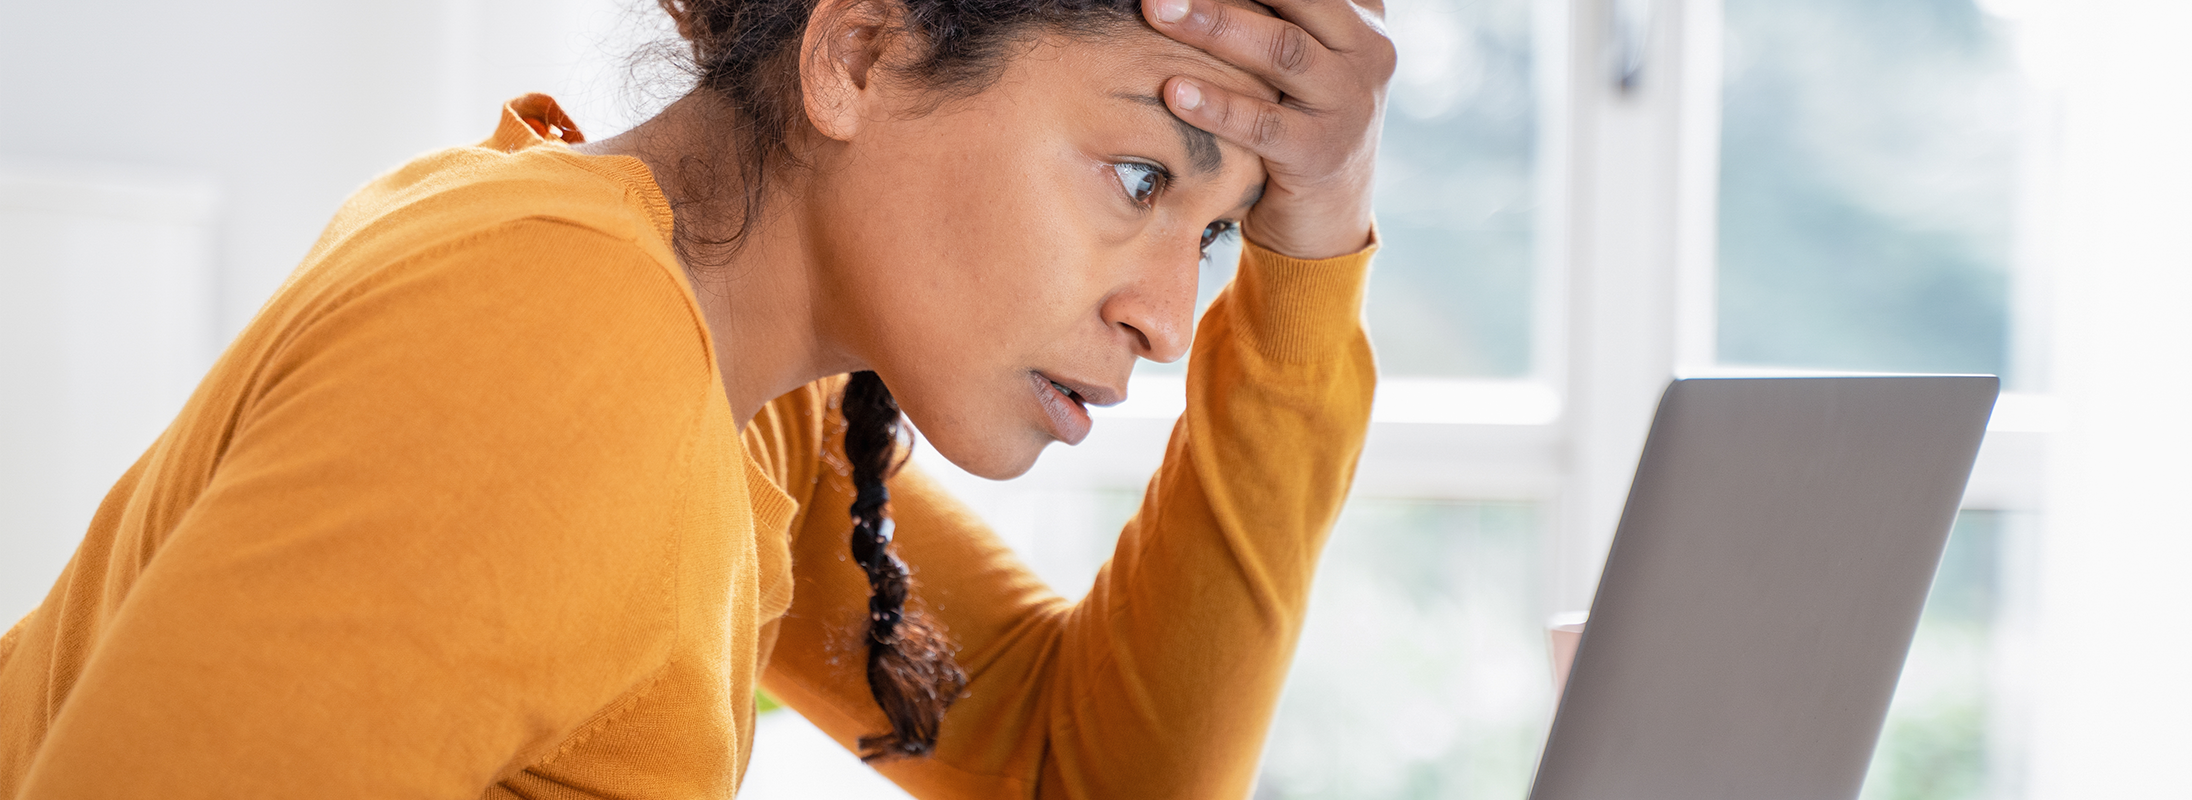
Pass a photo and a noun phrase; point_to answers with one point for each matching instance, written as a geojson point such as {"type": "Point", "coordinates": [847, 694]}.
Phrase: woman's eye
{"type": "Point", "coordinates": [1213, 231]}
{"type": "Point", "coordinates": [1141, 181]}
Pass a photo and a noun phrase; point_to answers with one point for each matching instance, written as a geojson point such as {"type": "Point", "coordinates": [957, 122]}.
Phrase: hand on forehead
{"type": "Point", "coordinates": [1163, 57]}
{"type": "Point", "coordinates": [1329, 63]}
{"type": "Point", "coordinates": [1139, 61]}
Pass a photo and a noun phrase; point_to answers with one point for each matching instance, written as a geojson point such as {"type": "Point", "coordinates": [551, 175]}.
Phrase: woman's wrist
{"type": "Point", "coordinates": [1313, 231]}
{"type": "Point", "coordinates": [1329, 248]}
{"type": "Point", "coordinates": [1297, 310]}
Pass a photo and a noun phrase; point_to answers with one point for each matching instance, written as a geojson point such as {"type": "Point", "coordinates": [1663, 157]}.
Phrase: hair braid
{"type": "Point", "coordinates": [910, 666]}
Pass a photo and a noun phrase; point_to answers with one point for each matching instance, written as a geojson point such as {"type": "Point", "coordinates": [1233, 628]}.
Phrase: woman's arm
{"type": "Point", "coordinates": [436, 541]}
{"type": "Point", "coordinates": [1163, 680]}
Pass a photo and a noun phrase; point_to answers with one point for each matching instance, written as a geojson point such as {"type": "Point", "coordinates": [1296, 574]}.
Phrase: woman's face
{"type": "Point", "coordinates": [1002, 260]}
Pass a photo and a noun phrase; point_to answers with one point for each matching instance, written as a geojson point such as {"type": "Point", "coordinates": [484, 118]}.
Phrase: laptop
{"type": "Point", "coordinates": [1762, 588]}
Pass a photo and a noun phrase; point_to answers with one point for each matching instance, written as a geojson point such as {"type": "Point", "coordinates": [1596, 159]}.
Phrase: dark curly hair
{"type": "Point", "coordinates": [745, 54]}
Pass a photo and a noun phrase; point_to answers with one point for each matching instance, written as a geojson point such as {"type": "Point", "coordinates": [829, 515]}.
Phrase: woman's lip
{"type": "Point", "coordinates": [1088, 394]}
{"type": "Point", "coordinates": [1069, 422]}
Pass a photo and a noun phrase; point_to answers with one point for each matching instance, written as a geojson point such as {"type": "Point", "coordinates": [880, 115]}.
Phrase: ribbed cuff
{"type": "Point", "coordinates": [1294, 310]}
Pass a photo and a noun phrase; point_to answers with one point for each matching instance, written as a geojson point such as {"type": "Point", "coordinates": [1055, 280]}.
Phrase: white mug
{"type": "Point", "coordinates": [1562, 633]}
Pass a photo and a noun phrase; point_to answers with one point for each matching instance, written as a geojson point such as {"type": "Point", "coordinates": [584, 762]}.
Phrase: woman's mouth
{"type": "Point", "coordinates": [1066, 408]}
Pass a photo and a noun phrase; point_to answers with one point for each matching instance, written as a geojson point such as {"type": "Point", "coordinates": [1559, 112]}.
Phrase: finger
{"type": "Point", "coordinates": [1336, 23]}
{"type": "Point", "coordinates": [1375, 7]}
{"type": "Point", "coordinates": [1273, 49]}
{"type": "Point", "coordinates": [1261, 126]}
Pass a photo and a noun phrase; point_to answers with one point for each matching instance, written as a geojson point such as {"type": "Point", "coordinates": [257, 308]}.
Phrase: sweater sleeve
{"type": "Point", "coordinates": [1163, 680]}
{"type": "Point", "coordinates": [417, 564]}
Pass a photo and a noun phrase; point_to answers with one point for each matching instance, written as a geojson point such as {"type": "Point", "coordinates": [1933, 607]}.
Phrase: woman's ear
{"type": "Point", "coordinates": [839, 57]}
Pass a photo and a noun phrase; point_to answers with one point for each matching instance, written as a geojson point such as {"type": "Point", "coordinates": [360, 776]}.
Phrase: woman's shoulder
{"type": "Point", "coordinates": [470, 191]}
{"type": "Point", "coordinates": [480, 241]}
{"type": "Point", "coordinates": [516, 216]}
{"type": "Point", "coordinates": [525, 172]}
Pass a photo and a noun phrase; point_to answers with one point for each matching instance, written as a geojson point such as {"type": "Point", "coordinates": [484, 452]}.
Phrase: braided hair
{"type": "Point", "coordinates": [910, 666]}
{"type": "Point", "coordinates": [745, 54]}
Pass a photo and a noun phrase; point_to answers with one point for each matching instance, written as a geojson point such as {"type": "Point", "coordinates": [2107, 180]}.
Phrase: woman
{"type": "Point", "coordinates": [539, 465]}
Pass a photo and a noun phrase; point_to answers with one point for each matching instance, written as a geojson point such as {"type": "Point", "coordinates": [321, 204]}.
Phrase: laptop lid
{"type": "Point", "coordinates": [1762, 588]}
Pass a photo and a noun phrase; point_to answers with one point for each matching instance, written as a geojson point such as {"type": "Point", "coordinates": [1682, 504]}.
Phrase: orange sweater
{"type": "Point", "coordinates": [464, 512]}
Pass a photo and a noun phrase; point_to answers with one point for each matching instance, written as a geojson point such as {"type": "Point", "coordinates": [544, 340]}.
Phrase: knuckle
{"type": "Point", "coordinates": [1228, 118]}
{"type": "Point", "coordinates": [1378, 53]}
{"type": "Point", "coordinates": [1382, 50]}
{"type": "Point", "coordinates": [1383, 65]}
{"type": "Point", "coordinates": [1290, 50]}
{"type": "Point", "coordinates": [1221, 23]}
{"type": "Point", "coordinates": [1267, 129]}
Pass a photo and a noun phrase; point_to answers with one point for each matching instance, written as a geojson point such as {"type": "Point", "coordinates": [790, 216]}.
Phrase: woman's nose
{"type": "Point", "coordinates": [1157, 310]}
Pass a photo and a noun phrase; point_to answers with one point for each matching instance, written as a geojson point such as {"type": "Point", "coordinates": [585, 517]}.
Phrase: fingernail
{"type": "Point", "coordinates": [1171, 10]}
{"type": "Point", "coordinates": [1190, 97]}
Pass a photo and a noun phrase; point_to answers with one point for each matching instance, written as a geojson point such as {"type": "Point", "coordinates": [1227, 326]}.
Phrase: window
{"type": "Point", "coordinates": [1868, 183]}
{"type": "Point", "coordinates": [1951, 732]}
{"type": "Point", "coordinates": [1422, 670]}
{"type": "Point", "coordinates": [1457, 192]}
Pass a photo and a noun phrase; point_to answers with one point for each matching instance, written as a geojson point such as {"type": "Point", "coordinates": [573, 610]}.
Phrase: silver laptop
{"type": "Point", "coordinates": [1762, 588]}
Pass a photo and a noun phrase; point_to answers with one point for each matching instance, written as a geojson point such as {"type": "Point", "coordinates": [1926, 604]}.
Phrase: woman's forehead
{"type": "Point", "coordinates": [1144, 59]}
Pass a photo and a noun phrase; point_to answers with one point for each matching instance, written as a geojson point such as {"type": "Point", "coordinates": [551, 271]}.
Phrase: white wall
{"type": "Point", "coordinates": [2114, 686]}
{"type": "Point", "coordinates": [106, 312]}
{"type": "Point", "coordinates": [291, 106]}
{"type": "Point", "coordinates": [164, 165]}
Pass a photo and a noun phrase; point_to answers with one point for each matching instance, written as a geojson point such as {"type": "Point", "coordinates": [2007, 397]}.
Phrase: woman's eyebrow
{"type": "Point", "coordinates": [1202, 145]}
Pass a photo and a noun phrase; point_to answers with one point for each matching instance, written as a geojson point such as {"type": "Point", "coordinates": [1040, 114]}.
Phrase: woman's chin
{"type": "Point", "coordinates": [997, 458]}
